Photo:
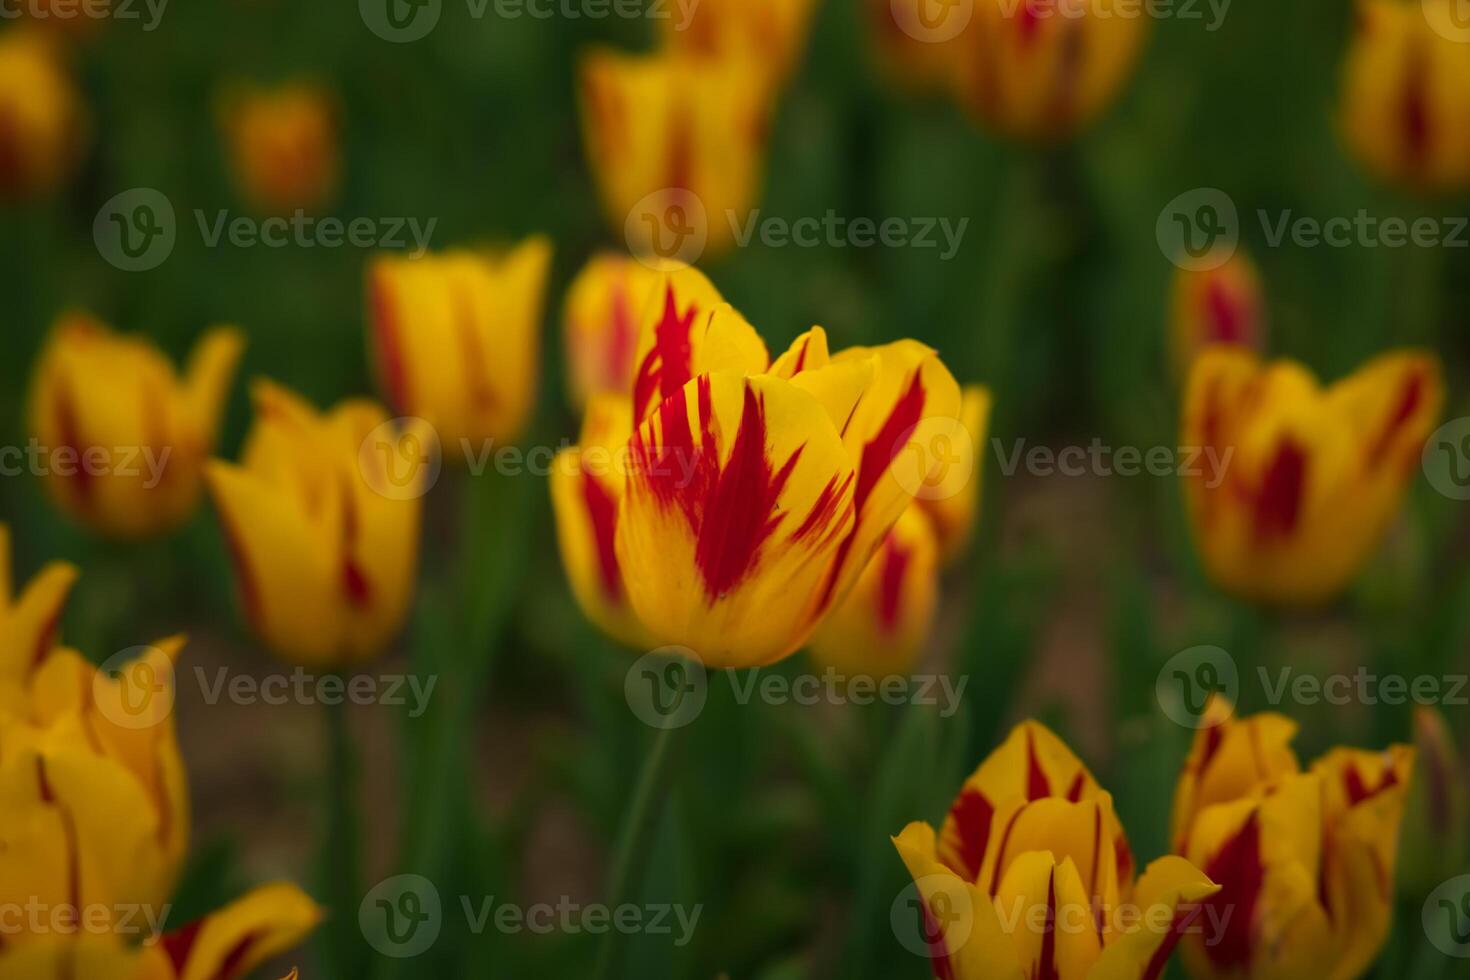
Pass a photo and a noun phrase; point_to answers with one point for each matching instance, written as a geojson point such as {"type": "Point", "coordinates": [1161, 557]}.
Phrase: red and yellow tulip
{"type": "Point", "coordinates": [322, 518]}
{"type": "Point", "coordinates": [125, 438]}
{"type": "Point", "coordinates": [41, 115]}
{"type": "Point", "coordinates": [1220, 305]}
{"type": "Point", "coordinates": [457, 339]}
{"type": "Point", "coordinates": [1032, 832]}
{"type": "Point", "coordinates": [282, 144]}
{"type": "Point", "coordinates": [1312, 476]}
{"type": "Point", "coordinates": [1305, 859]}
{"type": "Point", "coordinates": [604, 307]}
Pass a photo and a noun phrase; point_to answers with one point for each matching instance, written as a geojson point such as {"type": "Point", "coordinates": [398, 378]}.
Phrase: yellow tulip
{"type": "Point", "coordinates": [882, 627]}
{"type": "Point", "coordinates": [1220, 305]}
{"type": "Point", "coordinates": [40, 115]}
{"type": "Point", "coordinates": [676, 143]}
{"type": "Point", "coordinates": [323, 525]}
{"type": "Point", "coordinates": [1044, 69]}
{"type": "Point", "coordinates": [457, 340]}
{"type": "Point", "coordinates": [122, 438]}
{"type": "Point", "coordinates": [1305, 859]}
{"type": "Point", "coordinates": [604, 306]}
{"type": "Point", "coordinates": [1312, 476]}
{"type": "Point", "coordinates": [1436, 831]}
{"type": "Point", "coordinates": [1032, 832]}
{"type": "Point", "coordinates": [282, 144]}
{"type": "Point", "coordinates": [773, 32]}
{"type": "Point", "coordinates": [1406, 92]}
{"type": "Point", "coordinates": [30, 620]}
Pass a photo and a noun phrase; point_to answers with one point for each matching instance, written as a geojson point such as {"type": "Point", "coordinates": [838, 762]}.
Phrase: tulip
{"type": "Point", "coordinates": [773, 32]}
{"type": "Point", "coordinates": [1436, 833]}
{"type": "Point", "coordinates": [31, 620]}
{"type": "Point", "coordinates": [40, 116]}
{"type": "Point", "coordinates": [1406, 92]}
{"type": "Point", "coordinates": [96, 825]}
{"type": "Point", "coordinates": [1305, 860]}
{"type": "Point", "coordinates": [882, 627]}
{"type": "Point", "coordinates": [1032, 832]}
{"type": "Point", "coordinates": [951, 496]}
{"type": "Point", "coordinates": [915, 49]}
{"type": "Point", "coordinates": [282, 145]}
{"type": "Point", "coordinates": [676, 144]}
{"type": "Point", "coordinates": [457, 338]}
{"type": "Point", "coordinates": [1044, 69]}
{"type": "Point", "coordinates": [1219, 305]}
{"type": "Point", "coordinates": [1311, 476]}
{"type": "Point", "coordinates": [322, 520]}
{"type": "Point", "coordinates": [124, 438]}
{"type": "Point", "coordinates": [603, 309]}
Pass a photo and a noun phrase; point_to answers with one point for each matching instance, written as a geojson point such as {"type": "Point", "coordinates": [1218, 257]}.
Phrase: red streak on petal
{"type": "Point", "coordinates": [827, 514]}
{"type": "Point", "coordinates": [68, 431]}
{"type": "Point", "coordinates": [250, 599]}
{"type": "Point", "coordinates": [47, 639]}
{"type": "Point", "coordinates": [884, 447]}
{"type": "Point", "coordinates": [1000, 855]}
{"type": "Point", "coordinates": [1279, 500]}
{"type": "Point", "coordinates": [472, 357]}
{"type": "Point", "coordinates": [972, 814]}
{"type": "Point", "coordinates": [390, 348]}
{"type": "Point", "coordinates": [354, 581]}
{"type": "Point", "coordinates": [1358, 791]}
{"type": "Point", "coordinates": [681, 151]}
{"type": "Point", "coordinates": [801, 358]}
{"type": "Point", "coordinates": [1238, 870]}
{"type": "Point", "coordinates": [1028, 22]}
{"type": "Point", "coordinates": [666, 368]}
{"type": "Point", "coordinates": [1038, 787]}
{"type": "Point", "coordinates": [1410, 397]}
{"type": "Point", "coordinates": [1046, 967]}
{"type": "Point", "coordinates": [939, 960]}
{"type": "Point", "coordinates": [1183, 920]}
{"type": "Point", "coordinates": [896, 558]}
{"type": "Point", "coordinates": [1124, 855]}
{"type": "Point", "coordinates": [1415, 110]}
{"type": "Point", "coordinates": [179, 945]}
{"type": "Point", "coordinates": [602, 511]}
{"type": "Point", "coordinates": [1227, 320]}
{"type": "Point", "coordinates": [1074, 792]}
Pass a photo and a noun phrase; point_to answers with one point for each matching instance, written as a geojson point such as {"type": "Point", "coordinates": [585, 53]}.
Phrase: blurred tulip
{"type": "Point", "coordinates": [1436, 834]}
{"type": "Point", "coordinates": [603, 309]}
{"type": "Point", "coordinates": [322, 519]}
{"type": "Point", "coordinates": [676, 143]}
{"type": "Point", "coordinates": [1406, 93]}
{"type": "Point", "coordinates": [41, 116]}
{"type": "Point", "coordinates": [457, 339]}
{"type": "Point", "coordinates": [952, 506]}
{"type": "Point", "coordinates": [1298, 483]}
{"type": "Point", "coordinates": [1031, 831]}
{"type": "Point", "coordinates": [1220, 305]}
{"type": "Point", "coordinates": [916, 50]}
{"type": "Point", "coordinates": [1305, 860]}
{"type": "Point", "coordinates": [95, 828]}
{"type": "Point", "coordinates": [773, 32]}
{"type": "Point", "coordinates": [882, 627]}
{"type": "Point", "coordinates": [124, 438]}
{"type": "Point", "coordinates": [1045, 69]}
{"type": "Point", "coordinates": [282, 143]}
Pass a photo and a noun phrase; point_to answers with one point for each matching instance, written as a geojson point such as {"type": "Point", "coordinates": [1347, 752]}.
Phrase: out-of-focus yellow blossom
{"type": "Point", "coordinates": [604, 306]}
{"type": "Point", "coordinates": [1220, 305]}
{"type": "Point", "coordinates": [676, 143]}
{"type": "Point", "coordinates": [1406, 93]}
{"type": "Point", "coordinates": [457, 340]}
{"type": "Point", "coordinates": [1302, 480]}
{"type": "Point", "coordinates": [282, 144]}
{"type": "Point", "coordinates": [322, 518]}
{"type": "Point", "coordinates": [124, 437]}
{"type": "Point", "coordinates": [1436, 832]}
{"type": "Point", "coordinates": [29, 620]}
{"type": "Point", "coordinates": [1305, 859]}
{"type": "Point", "coordinates": [917, 46]}
{"type": "Point", "coordinates": [773, 32]}
{"type": "Point", "coordinates": [1045, 69]}
{"type": "Point", "coordinates": [1031, 875]}
{"type": "Point", "coordinates": [40, 115]}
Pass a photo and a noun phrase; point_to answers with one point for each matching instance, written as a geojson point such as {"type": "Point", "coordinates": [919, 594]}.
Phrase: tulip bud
{"type": "Point", "coordinates": [603, 309]}
{"type": "Point", "coordinates": [282, 144]}
{"type": "Point", "coordinates": [1219, 305]}
{"type": "Point", "coordinates": [457, 340]}
{"type": "Point", "coordinates": [1296, 483]}
{"type": "Point", "coordinates": [1436, 832]}
{"type": "Point", "coordinates": [40, 116]}
{"type": "Point", "coordinates": [1406, 93]}
{"type": "Point", "coordinates": [323, 529]}
{"type": "Point", "coordinates": [123, 439]}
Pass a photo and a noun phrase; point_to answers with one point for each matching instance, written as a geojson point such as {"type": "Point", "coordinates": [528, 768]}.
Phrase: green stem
{"type": "Point", "coordinates": [630, 858]}
{"type": "Point", "coordinates": [342, 847]}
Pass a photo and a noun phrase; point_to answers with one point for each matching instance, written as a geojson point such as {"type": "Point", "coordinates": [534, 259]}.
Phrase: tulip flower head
{"type": "Point", "coordinates": [1312, 476]}
{"type": "Point", "coordinates": [457, 340]}
{"type": "Point", "coordinates": [1032, 832]}
{"type": "Point", "coordinates": [1305, 859]}
{"type": "Point", "coordinates": [282, 144]}
{"type": "Point", "coordinates": [1216, 304]}
{"type": "Point", "coordinates": [603, 309]}
{"type": "Point", "coordinates": [1406, 92]}
{"type": "Point", "coordinates": [773, 32]}
{"type": "Point", "coordinates": [322, 520]}
{"type": "Point", "coordinates": [125, 438]}
{"type": "Point", "coordinates": [40, 115]}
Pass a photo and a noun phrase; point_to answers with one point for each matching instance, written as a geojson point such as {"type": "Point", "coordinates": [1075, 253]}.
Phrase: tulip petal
{"type": "Point", "coordinates": [807, 353]}
{"type": "Point", "coordinates": [29, 624]}
{"type": "Point", "coordinates": [1168, 895]}
{"type": "Point", "coordinates": [233, 941]}
{"type": "Point", "coordinates": [210, 372]}
{"type": "Point", "coordinates": [1050, 917]}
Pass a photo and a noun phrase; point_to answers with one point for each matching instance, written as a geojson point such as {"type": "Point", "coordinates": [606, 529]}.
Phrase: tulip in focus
{"type": "Point", "coordinates": [1045, 69]}
{"type": "Point", "coordinates": [1031, 876]}
{"type": "Point", "coordinates": [322, 519]}
{"type": "Point", "coordinates": [1309, 477]}
{"type": "Point", "coordinates": [282, 143]}
{"type": "Point", "coordinates": [1305, 859]}
{"type": "Point", "coordinates": [1406, 93]}
{"type": "Point", "coordinates": [457, 339]}
{"type": "Point", "coordinates": [773, 32]}
{"type": "Point", "coordinates": [40, 115]}
{"type": "Point", "coordinates": [604, 307]}
{"type": "Point", "coordinates": [1436, 832]}
{"type": "Point", "coordinates": [123, 438]}
{"type": "Point", "coordinates": [1216, 304]}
